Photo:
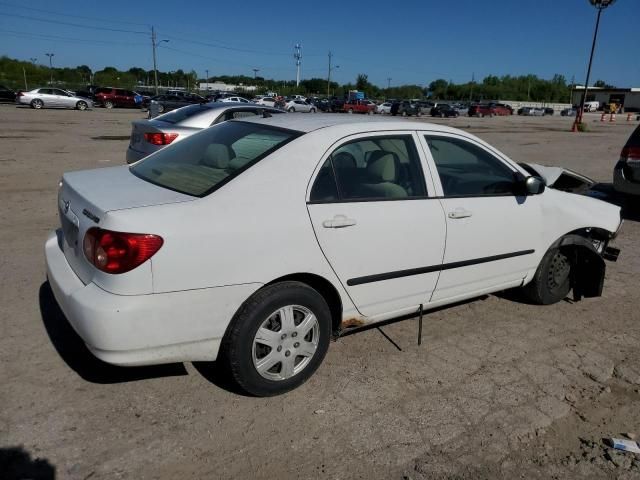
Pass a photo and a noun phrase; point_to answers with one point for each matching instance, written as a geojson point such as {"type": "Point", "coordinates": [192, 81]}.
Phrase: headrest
{"type": "Point", "coordinates": [344, 160]}
{"type": "Point", "coordinates": [216, 156]}
{"type": "Point", "coordinates": [382, 167]}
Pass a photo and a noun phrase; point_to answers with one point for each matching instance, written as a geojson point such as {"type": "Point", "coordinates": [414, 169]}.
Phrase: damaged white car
{"type": "Point", "coordinates": [257, 241]}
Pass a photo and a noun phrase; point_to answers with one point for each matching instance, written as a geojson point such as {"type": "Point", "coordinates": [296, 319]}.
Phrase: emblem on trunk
{"type": "Point", "coordinates": [90, 215]}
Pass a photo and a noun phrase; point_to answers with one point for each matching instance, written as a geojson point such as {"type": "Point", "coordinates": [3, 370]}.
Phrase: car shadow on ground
{"type": "Point", "coordinates": [630, 205]}
{"type": "Point", "coordinates": [77, 356]}
{"type": "Point", "coordinates": [16, 464]}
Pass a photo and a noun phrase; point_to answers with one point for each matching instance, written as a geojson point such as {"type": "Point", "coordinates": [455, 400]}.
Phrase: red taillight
{"type": "Point", "coordinates": [160, 138]}
{"type": "Point", "coordinates": [630, 153]}
{"type": "Point", "coordinates": [119, 252]}
{"type": "Point", "coordinates": [20, 94]}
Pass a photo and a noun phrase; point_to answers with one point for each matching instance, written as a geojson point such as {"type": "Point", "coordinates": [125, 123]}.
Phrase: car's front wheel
{"type": "Point", "coordinates": [81, 105]}
{"type": "Point", "coordinates": [277, 339]}
{"type": "Point", "coordinates": [160, 108]}
{"type": "Point", "coordinates": [291, 110]}
{"type": "Point", "coordinates": [552, 280]}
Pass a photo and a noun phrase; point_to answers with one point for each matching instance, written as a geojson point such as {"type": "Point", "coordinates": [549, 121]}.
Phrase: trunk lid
{"type": "Point", "coordinates": [85, 199]}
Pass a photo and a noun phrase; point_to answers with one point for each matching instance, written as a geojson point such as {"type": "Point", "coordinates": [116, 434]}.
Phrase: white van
{"type": "Point", "coordinates": [591, 106]}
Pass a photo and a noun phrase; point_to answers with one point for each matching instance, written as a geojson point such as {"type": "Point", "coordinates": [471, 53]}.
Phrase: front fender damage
{"type": "Point", "coordinates": [587, 266]}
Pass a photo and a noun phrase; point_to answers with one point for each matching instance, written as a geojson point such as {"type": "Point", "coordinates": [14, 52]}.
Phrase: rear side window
{"type": "Point", "coordinates": [207, 160]}
{"type": "Point", "coordinates": [374, 168]}
{"type": "Point", "coordinates": [466, 170]}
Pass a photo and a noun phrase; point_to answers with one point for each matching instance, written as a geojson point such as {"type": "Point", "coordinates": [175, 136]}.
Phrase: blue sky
{"type": "Point", "coordinates": [409, 41]}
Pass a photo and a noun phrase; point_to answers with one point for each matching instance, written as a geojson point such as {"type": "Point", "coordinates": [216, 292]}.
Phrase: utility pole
{"type": "Point", "coordinates": [154, 45]}
{"type": "Point", "coordinates": [389, 82]}
{"type": "Point", "coordinates": [573, 84]}
{"type": "Point", "coordinates": [255, 73]}
{"type": "Point", "coordinates": [207, 78]}
{"type": "Point", "coordinates": [297, 54]}
{"type": "Point", "coordinates": [24, 72]}
{"type": "Point", "coordinates": [329, 77]}
{"type": "Point", "coordinates": [473, 79]}
{"type": "Point", "coordinates": [50, 55]}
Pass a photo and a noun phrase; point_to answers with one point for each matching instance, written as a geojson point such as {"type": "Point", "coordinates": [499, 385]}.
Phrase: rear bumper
{"type": "Point", "coordinates": [143, 329]}
{"type": "Point", "coordinates": [622, 184]}
{"type": "Point", "coordinates": [134, 155]}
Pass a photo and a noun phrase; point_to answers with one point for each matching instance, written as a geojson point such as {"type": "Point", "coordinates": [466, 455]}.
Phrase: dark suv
{"type": "Point", "coordinates": [6, 94]}
{"type": "Point", "coordinates": [117, 97]}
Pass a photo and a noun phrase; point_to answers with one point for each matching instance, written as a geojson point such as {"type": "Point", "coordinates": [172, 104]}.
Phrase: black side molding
{"type": "Point", "coordinates": [434, 268]}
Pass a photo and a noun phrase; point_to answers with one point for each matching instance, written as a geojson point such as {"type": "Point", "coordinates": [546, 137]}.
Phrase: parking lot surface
{"type": "Point", "coordinates": [498, 388]}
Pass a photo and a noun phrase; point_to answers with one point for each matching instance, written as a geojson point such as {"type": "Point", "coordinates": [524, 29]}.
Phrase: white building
{"type": "Point", "coordinates": [629, 98]}
{"type": "Point", "coordinates": [226, 87]}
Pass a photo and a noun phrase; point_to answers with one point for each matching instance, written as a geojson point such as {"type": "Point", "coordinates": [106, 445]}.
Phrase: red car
{"type": "Point", "coordinates": [117, 97]}
{"type": "Point", "coordinates": [359, 106]}
{"type": "Point", "coordinates": [489, 110]}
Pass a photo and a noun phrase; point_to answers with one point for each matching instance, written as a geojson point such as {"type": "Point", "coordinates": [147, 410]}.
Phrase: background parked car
{"type": "Point", "coordinates": [488, 110]}
{"type": "Point", "coordinates": [405, 108]}
{"type": "Point", "coordinates": [6, 94]}
{"type": "Point", "coordinates": [268, 101]}
{"type": "Point", "coordinates": [295, 105]}
{"type": "Point", "coordinates": [234, 99]}
{"type": "Point", "coordinates": [626, 174]}
{"type": "Point", "coordinates": [149, 136]}
{"type": "Point", "coordinates": [117, 97]}
{"type": "Point", "coordinates": [549, 111]}
{"type": "Point", "coordinates": [444, 110]}
{"type": "Point", "coordinates": [568, 112]}
{"type": "Point", "coordinates": [52, 98]}
{"type": "Point", "coordinates": [384, 108]}
{"type": "Point", "coordinates": [531, 111]}
{"type": "Point", "coordinates": [165, 103]}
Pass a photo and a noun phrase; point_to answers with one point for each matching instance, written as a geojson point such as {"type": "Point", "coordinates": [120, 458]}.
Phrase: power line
{"type": "Point", "coordinates": [52, 12]}
{"type": "Point", "coordinates": [64, 39]}
{"type": "Point", "coordinates": [59, 22]}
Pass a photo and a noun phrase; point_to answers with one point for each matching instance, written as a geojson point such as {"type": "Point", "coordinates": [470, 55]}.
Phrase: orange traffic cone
{"type": "Point", "coordinates": [602, 116]}
{"type": "Point", "coordinates": [612, 117]}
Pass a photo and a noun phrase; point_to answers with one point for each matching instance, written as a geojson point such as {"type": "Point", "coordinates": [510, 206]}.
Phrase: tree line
{"type": "Point", "coordinates": [13, 73]}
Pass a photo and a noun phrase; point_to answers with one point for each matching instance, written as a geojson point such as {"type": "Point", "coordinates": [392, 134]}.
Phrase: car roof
{"type": "Point", "coordinates": [314, 121]}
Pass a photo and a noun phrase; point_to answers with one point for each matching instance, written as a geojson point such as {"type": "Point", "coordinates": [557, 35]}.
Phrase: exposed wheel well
{"type": "Point", "coordinates": [324, 288]}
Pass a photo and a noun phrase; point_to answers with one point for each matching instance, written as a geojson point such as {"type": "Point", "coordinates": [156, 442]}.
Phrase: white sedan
{"type": "Point", "coordinates": [384, 108]}
{"type": "Point", "coordinates": [296, 105]}
{"type": "Point", "coordinates": [256, 241]}
{"type": "Point", "coordinates": [234, 99]}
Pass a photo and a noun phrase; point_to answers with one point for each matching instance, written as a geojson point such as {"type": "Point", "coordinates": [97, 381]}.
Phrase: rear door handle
{"type": "Point", "coordinates": [339, 221]}
{"type": "Point", "coordinates": [460, 213]}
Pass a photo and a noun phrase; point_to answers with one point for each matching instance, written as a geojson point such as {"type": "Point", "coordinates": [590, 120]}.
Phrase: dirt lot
{"type": "Point", "coordinates": [498, 389]}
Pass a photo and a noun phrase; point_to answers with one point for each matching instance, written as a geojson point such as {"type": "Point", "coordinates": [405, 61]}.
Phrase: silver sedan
{"type": "Point", "coordinates": [149, 136]}
{"type": "Point", "coordinates": [52, 98]}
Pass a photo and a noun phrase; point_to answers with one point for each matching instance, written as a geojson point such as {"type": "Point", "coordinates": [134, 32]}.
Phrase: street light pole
{"type": "Point", "coordinates": [600, 5]}
{"type": "Point", "coordinates": [50, 55]}
{"type": "Point", "coordinates": [154, 45]}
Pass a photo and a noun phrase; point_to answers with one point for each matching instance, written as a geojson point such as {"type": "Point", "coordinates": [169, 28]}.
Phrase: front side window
{"type": "Point", "coordinates": [45, 91]}
{"type": "Point", "coordinates": [207, 160]}
{"type": "Point", "coordinates": [467, 170]}
{"type": "Point", "coordinates": [374, 168]}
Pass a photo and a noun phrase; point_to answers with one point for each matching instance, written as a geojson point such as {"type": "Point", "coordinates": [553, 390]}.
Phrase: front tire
{"type": "Point", "coordinates": [160, 108]}
{"type": "Point", "coordinates": [291, 110]}
{"type": "Point", "coordinates": [81, 105]}
{"type": "Point", "coordinates": [277, 339]}
{"type": "Point", "coordinates": [552, 280]}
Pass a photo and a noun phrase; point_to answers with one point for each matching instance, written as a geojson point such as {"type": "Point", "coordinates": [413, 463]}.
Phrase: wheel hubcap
{"type": "Point", "coordinates": [558, 271]}
{"type": "Point", "coordinates": [285, 342]}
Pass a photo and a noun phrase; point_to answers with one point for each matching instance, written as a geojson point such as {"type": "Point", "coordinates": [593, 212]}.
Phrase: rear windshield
{"type": "Point", "coordinates": [207, 160]}
{"type": "Point", "coordinates": [176, 116]}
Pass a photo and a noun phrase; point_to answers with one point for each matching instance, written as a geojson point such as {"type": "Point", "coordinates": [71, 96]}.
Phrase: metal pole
{"type": "Point", "coordinates": [155, 68]}
{"type": "Point", "coordinates": [388, 83]}
{"type": "Point", "coordinates": [586, 85]}
{"type": "Point", "coordinates": [329, 77]}
{"type": "Point", "coordinates": [50, 55]}
{"type": "Point", "coordinates": [24, 72]}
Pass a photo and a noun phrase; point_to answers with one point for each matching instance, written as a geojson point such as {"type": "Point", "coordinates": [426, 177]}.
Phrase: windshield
{"type": "Point", "coordinates": [207, 160]}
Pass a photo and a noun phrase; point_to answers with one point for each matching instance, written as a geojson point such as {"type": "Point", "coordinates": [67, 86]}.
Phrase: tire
{"type": "Point", "coordinates": [291, 110]}
{"type": "Point", "coordinates": [108, 104]}
{"type": "Point", "coordinates": [160, 108]}
{"type": "Point", "coordinates": [248, 340]}
{"type": "Point", "coordinates": [404, 113]}
{"type": "Point", "coordinates": [313, 110]}
{"type": "Point", "coordinates": [350, 111]}
{"type": "Point", "coordinates": [552, 280]}
{"type": "Point", "coordinates": [81, 105]}
{"type": "Point", "coordinates": [442, 115]}
{"type": "Point", "coordinates": [37, 104]}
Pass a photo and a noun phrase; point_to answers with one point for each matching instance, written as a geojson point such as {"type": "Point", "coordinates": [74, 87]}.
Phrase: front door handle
{"type": "Point", "coordinates": [339, 221]}
{"type": "Point", "coordinates": [460, 213]}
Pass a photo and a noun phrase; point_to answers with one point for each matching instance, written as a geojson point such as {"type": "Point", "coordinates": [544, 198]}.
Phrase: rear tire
{"type": "Point", "coordinates": [37, 104]}
{"type": "Point", "coordinates": [108, 104]}
{"type": "Point", "coordinates": [259, 334]}
{"type": "Point", "coordinates": [552, 280]}
{"type": "Point", "coordinates": [291, 110]}
{"type": "Point", "coordinates": [160, 108]}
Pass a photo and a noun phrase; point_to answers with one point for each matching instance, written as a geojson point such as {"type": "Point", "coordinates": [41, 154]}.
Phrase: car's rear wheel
{"type": "Point", "coordinates": [277, 339]}
{"type": "Point", "coordinates": [160, 108]}
{"type": "Point", "coordinates": [313, 110]}
{"type": "Point", "coordinates": [108, 104]}
{"type": "Point", "coordinates": [81, 105]}
{"type": "Point", "coordinates": [350, 110]}
{"type": "Point", "coordinates": [37, 104]}
{"type": "Point", "coordinates": [552, 280]}
{"type": "Point", "coordinates": [291, 110]}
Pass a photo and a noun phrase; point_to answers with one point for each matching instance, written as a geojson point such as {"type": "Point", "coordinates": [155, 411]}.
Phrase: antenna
{"type": "Point", "coordinates": [297, 54]}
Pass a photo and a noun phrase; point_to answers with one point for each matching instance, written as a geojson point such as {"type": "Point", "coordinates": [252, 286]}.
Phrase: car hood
{"type": "Point", "coordinates": [562, 178]}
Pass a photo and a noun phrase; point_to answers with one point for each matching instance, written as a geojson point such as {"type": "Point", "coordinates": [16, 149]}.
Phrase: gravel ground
{"type": "Point", "coordinates": [498, 389]}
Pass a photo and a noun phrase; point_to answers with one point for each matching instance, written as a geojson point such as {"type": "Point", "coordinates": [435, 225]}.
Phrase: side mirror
{"type": "Point", "coordinates": [534, 185]}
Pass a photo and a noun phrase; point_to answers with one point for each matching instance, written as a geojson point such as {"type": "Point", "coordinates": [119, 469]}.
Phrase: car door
{"type": "Point", "coordinates": [492, 229]}
{"type": "Point", "coordinates": [377, 226]}
{"type": "Point", "coordinates": [64, 99]}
